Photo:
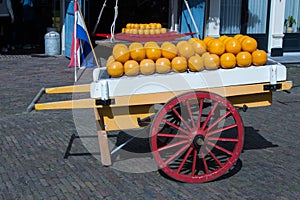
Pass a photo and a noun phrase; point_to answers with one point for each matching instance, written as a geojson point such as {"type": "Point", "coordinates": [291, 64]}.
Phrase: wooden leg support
{"type": "Point", "coordinates": [104, 148]}
{"type": "Point", "coordinates": [103, 139]}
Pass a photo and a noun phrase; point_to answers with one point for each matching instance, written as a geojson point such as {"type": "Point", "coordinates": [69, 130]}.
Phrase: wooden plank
{"type": "Point", "coordinates": [68, 89]}
{"type": "Point", "coordinates": [122, 118]}
{"type": "Point", "coordinates": [252, 100]}
{"type": "Point", "coordinates": [70, 104]}
{"type": "Point", "coordinates": [163, 97]}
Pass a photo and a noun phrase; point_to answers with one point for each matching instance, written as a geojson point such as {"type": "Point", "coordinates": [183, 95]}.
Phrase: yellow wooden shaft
{"type": "Point", "coordinates": [68, 89]}
{"type": "Point", "coordinates": [241, 92]}
{"type": "Point", "coordinates": [71, 104]}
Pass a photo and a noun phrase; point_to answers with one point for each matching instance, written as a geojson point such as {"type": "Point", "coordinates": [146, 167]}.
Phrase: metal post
{"type": "Point", "coordinates": [75, 42]}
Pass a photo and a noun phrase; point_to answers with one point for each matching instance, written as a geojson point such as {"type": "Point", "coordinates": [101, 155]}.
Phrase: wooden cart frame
{"type": "Point", "coordinates": [196, 135]}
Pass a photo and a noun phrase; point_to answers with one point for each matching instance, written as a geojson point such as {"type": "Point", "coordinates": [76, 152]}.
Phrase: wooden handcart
{"type": "Point", "coordinates": [196, 132]}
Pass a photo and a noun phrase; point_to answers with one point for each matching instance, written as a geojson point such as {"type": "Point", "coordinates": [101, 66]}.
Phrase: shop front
{"type": "Point", "coordinates": [248, 17]}
{"type": "Point", "coordinates": [263, 20]}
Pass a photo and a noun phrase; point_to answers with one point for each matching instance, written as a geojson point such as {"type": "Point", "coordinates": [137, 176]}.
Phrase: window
{"type": "Point", "coordinates": [244, 16]}
{"type": "Point", "coordinates": [257, 16]}
{"type": "Point", "coordinates": [292, 9]}
{"type": "Point", "coordinates": [230, 16]}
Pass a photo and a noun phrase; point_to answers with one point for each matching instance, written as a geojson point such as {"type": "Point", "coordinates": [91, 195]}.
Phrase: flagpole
{"type": "Point", "coordinates": [93, 51]}
{"type": "Point", "coordinates": [75, 41]}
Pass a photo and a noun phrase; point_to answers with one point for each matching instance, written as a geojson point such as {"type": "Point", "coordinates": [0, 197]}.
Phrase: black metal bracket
{"type": "Point", "coordinates": [244, 108]}
{"type": "Point", "coordinates": [104, 102]}
{"type": "Point", "coordinates": [273, 87]}
{"type": "Point", "coordinates": [145, 121]}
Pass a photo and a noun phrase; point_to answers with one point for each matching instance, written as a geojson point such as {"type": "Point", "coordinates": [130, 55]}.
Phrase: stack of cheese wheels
{"type": "Point", "coordinates": [193, 54]}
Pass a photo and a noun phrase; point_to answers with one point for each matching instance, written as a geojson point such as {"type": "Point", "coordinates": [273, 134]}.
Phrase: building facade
{"type": "Point", "coordinates": [261, 19]}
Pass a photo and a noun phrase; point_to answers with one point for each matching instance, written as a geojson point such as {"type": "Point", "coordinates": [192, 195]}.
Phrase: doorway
{"type": "Point", "coordinates": [139, 11]}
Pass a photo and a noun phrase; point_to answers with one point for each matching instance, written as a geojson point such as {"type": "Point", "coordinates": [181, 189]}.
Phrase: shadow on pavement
{"type": "Point", "coordinates": [137, 142]}
{"type": "Point", "coordinates": [71, 142]}
{"type": "Point", "coordinates": [253, 140]}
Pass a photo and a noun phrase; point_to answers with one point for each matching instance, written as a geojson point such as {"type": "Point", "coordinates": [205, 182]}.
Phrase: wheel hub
{"type": "Point", "coordinates": [198, 141]}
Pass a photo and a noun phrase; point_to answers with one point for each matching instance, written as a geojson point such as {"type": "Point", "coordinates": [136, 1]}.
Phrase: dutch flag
{"type": "Point", "coordinates": [81, 50]}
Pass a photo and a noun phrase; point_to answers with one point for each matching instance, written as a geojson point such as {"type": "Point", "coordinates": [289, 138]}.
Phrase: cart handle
{"type": "Point", "coordinates": [36, 99]}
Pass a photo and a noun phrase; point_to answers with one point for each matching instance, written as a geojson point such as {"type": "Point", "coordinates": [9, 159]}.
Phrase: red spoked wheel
{"type": "Point", "coordinates": [197, 137]}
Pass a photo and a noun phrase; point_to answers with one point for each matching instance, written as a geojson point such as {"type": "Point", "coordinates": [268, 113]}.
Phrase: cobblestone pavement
{"type": "Point", "coordinates": [33, 146]}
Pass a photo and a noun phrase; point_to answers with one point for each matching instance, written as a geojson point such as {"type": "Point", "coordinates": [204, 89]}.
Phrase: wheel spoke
{"type": "Point", "coordinates": [190, 113]}
{"type": "Point", "coordinates": [220, 148]}
{"type": "Point", "coordinates": [223, 139]}
{"type": "Point", "coordinates": [194, 162]}
{"type": "Point", "coordinates": [214, 157]}
{"type": "Point", "coordinates": [181, 118]}
{"type": "Point", "coordinates": [175, 126]}
{"type": "Point", "coordinates": [221, 129]}
{"type": "Point", "coordinates": [209, 115]}
{"type": "Point", "coordinates": [176, 154]}
{"type": "Point", "coordinates": [218, 120]}
{"type": "Point", "coordinates": [172, 135]}
{"type": "Point", "coordinates": [173, 145]}
{"type": "Point", "coordinates": [204, 163]}
{"type": "Point", "coordinates": [173, 121]}
{"type": "Point", "coordinates": [184, 160]}
{"type": "Point", "coordinates": [200, 113]}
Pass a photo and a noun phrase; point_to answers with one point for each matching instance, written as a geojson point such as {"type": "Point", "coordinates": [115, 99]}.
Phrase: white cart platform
{"type": "Point", "coordinates": [104, 87]}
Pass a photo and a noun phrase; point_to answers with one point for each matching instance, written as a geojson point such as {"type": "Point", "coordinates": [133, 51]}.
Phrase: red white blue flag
{"type": "Point", "coordinates": [81, 50]}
